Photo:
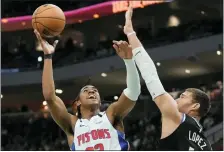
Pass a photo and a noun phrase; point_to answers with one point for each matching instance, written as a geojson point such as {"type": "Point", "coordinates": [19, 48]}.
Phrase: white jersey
{"type": "Point", "coordinates": [98, 134]}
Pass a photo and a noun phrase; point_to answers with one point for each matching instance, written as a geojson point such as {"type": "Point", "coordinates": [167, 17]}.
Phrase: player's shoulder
{"type": "Point", "coordinates": [193, 122]}
{"type": "Point", "coordinates": [102, 113]}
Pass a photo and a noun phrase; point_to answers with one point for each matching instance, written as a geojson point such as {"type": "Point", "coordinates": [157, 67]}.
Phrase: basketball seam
{"type": "Point", "coordinates": [47, 27]}
{"type": "Point", "coordinates": [44, 10]}
{"type": "Point", "coordinates": [51, 18]}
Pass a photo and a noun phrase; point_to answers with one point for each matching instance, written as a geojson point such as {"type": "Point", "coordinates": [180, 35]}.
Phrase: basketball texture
{"type": "Point", "coordinates": [48, 20]}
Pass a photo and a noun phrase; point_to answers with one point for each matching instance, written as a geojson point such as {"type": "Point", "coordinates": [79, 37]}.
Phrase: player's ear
{"type": "Point", "coordinates": [75, 104]}
{"type": "Point", "coordinates": [196, 106]}
{"type": "Point", "coordinates": [78, 103]}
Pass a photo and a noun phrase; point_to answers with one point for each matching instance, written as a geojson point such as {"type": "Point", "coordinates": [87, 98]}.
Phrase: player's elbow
{"type": "Point", "coordinates": [49, 95]}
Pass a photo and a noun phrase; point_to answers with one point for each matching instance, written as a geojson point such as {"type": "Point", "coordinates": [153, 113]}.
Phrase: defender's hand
{"type": "Point", "coordinates": [128, 28]}
{"type": "Point", "coordinates": [123, 49]}
{"type": "Point", "coordinates": [47, 48]}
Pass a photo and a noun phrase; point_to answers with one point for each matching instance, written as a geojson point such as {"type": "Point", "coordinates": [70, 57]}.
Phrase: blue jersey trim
{"type": "Point", "coordinates": [123, 143]}
{"type": "Point", "coordinates": [73, 147]}
{"type": "Point", "coordinates": [183, 118]}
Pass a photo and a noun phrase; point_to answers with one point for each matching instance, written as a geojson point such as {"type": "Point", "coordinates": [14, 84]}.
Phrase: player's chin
{"type": "Point", "coordinates": [94, 101]}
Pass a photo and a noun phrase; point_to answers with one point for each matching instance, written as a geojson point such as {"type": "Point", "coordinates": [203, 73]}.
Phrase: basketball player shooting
{"type": "Point", "coordinates": [91, 129]}
{"type": "Point", "coordinates": [180, 118]}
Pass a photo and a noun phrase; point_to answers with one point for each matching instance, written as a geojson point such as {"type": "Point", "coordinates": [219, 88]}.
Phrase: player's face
{"type": "Point", "coordinates": [89, 95]}
{"type": "Point", "coordinates": [186, 103]}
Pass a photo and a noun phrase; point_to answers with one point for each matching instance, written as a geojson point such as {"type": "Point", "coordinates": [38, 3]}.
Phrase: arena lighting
{"type": "Point", "coordinates": [187, 71]}
{"type": "Point", "coordinates": [202, 12]}
{"type": "Point", "coordinates": [120, 26]}
{"type": "Point", "coordinates": [59, 91]}
{"type": "Point", "coordinates": [96, 16]}
{"type": "Point", "coordinates": [115, 97]}
{"type": "Point", "coordinates": [158, 63]}
{"type": "Point", "coordinates": [44, 103]}
{"type": "Point", "coordinates": [1, 96]}
{"type": "Point", "coordinates": [4, 20]}
{"type": "Point", "coordinates": [173, 21]}
{"type": "Point", "coordinates": [103, 74]}
{"type": "Point", "coordinates": [219, 52]}
{"type": "Point", "coordinates": [81, 44]}
{"type": "Point", "coordinates": [39, 59]}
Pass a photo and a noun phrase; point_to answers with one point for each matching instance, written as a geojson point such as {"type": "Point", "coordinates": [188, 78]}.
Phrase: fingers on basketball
{"type": "Point", "coordinates": [38, 35]}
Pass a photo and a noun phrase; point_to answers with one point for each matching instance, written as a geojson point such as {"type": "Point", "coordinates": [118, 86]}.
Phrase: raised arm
{"type": "Point", "coordinates": [164, 101]}
{"type": "Point", "coordinates": [55, 104]}
{"type": "Point", "coordinates": [119, 109]}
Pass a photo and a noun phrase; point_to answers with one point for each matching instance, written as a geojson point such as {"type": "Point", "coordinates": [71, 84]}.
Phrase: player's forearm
{"type": "Point", "coordinates": [133, 81]}
{"type": "Point", "coordinates": [48, 81]}
{"type": "Point", "coordinates": [133, 40]}
{"type": "Point", "coordinates": [148, 72]}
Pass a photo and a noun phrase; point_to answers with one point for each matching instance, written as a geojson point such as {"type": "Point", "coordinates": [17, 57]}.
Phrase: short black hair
{"type": "Point", "coordinates": [202, 98]}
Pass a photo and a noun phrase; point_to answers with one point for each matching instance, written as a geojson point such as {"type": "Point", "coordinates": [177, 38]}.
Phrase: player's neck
{"type": "Point", "coordinates": [89, 113]}
{"type": "Point", "coordinates": [195, 117]}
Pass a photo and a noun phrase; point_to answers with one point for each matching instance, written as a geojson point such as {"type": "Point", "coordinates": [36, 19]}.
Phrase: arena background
{"type": "Point", "coordinates": [184, 38]}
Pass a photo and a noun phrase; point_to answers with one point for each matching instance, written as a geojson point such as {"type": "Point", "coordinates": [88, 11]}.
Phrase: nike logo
{"type": "Point", "coordinates": [99, 122]}
{"type": "Point", "coordinates": [137, 53]}
{"type": "Point", "coordinates": [83, 126]}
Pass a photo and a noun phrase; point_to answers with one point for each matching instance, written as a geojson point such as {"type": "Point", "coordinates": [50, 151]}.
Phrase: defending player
{"type": "Point", "coordinates": [180, 127]}
{"type": "Point", "coordinates": [92, 129]}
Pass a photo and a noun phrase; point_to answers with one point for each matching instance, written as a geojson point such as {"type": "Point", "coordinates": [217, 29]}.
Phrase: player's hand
{"type": "Point", "coordinates": [128, 28]}
{"type": "Point", "coordinates": [47, 48]}
{"type": "Point", "coordinates": [123, 49]}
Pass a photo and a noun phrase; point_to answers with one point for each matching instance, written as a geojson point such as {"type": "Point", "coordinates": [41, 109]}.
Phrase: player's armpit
{"type": "Point", "coordinates": [120, 108]}
{"type": "Point", "coordinates": [168, 107]}
{"type": "Point", "coordinates": [61, 116]}
{"type": "Point", "coordinates": [171, 117]}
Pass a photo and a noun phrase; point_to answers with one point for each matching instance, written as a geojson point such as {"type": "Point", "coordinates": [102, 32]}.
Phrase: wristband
{"type": "Point", "coordinates": [131, 33]}
{"type": "Point", "coordinates": [48, 56]}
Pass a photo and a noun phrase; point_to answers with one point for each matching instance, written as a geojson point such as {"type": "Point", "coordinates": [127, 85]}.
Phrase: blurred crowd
{"type": "Point", "coordinates": [71, 52]}
{"type": "Point", "coordinates": [38, 131]}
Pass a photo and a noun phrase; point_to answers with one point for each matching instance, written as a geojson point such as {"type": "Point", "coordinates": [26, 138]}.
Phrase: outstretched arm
{"type": "Point", "coordinates": [164, 101]}
{"type": "Point", "coordinates": [55, 104]}
{"type": "Point", "coordinates": [127, 99]}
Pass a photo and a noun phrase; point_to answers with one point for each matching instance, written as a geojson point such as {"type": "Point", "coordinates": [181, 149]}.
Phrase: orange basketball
{"type": "Point", "coordinates": [48, 20]}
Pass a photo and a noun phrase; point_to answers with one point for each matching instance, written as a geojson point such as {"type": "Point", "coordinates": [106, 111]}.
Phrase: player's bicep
{"type": "Point", "coordinates": [120, 108]}
{"type": "Point", "coordinates": [168, 107]}
{"type": "Point", "coordinates": [60, 114]}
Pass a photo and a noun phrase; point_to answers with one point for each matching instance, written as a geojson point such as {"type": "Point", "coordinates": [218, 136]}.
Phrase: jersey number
{"type": "Point", "coordinates": [96, 147]}
{"type": "Point", "coordinates": [191, 149]}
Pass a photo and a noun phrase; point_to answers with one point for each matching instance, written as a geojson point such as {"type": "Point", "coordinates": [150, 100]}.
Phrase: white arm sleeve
{"type": "Point", "coordinates": [133, 89]}
{"type": "Point", "coordinates": [148, 72]}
